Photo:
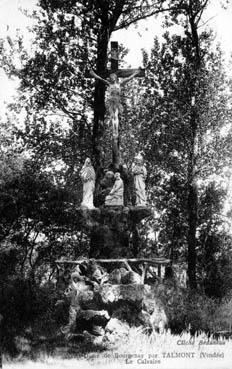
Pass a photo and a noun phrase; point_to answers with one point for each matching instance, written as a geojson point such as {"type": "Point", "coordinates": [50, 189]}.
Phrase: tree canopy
{"type": "Point", "coordinates": [178, 116]}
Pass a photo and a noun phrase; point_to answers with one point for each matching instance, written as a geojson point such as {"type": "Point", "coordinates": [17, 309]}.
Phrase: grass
{"type": "Point", "coordinates": [163, 351]}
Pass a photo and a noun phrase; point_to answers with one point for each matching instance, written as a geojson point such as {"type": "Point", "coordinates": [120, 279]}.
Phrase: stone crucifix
{"type": "Point", "coordinates": [113, 102]}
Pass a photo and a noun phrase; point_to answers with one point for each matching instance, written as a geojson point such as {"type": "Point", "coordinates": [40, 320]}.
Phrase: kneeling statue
{"type": "Point", "coordinates": [115, 197]}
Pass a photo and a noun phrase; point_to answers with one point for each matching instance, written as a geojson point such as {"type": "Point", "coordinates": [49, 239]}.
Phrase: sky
{"type": "Point", "coordinates": [135, 39]}
{"type": "Point", "coordinates": [220, 20]}
{"type": "Point", "coordinates": [11, 19]}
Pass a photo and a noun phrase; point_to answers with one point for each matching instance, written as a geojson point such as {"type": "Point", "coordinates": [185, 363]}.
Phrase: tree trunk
{"type": "Point", "coordinates": [115, 153]}
{"type": "Point", "coordinates": [192, 203]}
{"type": "Point", "coordinates": [194, 15]}
{"type": "Point", "coordinates": [192, 223]}
{"type": "Point", "coordinates": [99, 101]}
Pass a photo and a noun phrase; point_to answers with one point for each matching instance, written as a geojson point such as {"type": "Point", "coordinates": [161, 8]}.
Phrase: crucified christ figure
{"type": "Point", "coordinates": [114, 95]}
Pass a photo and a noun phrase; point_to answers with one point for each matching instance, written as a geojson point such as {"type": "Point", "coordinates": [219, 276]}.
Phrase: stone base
{"type": "Point", "coordinates": [91, 218]}
{"type": "Point", "coordinates": [110, 228]}
{"type": "Point", "coordinates": [117, 308]}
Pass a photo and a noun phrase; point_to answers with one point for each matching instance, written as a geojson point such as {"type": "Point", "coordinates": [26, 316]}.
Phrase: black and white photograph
{"type": "Point", "coordinates": [115, 184]}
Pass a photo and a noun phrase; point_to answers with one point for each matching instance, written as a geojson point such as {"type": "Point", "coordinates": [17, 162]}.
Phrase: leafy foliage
{"type": "Point", "coordinates": [40, 160]}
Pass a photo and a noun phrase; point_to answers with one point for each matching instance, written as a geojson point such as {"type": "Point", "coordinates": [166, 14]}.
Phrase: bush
{"type": "Point", "coordinates": [196, 312]}
{"type": "Point", "coordinates": [26, 307]}
{"type": "Point", "coordinates": [223, 315]}
{"type": "Point", "coordinates": [189, 310]}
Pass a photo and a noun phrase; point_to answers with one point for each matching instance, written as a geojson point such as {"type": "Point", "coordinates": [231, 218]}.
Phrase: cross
{"type": "Point", "coordinates": [121, 73]}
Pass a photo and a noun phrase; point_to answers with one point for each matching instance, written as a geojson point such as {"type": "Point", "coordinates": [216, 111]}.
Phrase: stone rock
{"type": "Point", "coordinates": [123, 276]}
{"type": "Point", "coordinates": [131, 278]}
{"type": "Point", "coordinates": [118, 327]}
{"type": "Point", "coordinates": [131, 292]}
{"type": "Point", "coordinates": [131, 304]}
{"type": "Point", "coordinates": [100, 316]}
{"type": "Point", "coordinates": [130, 301]}
{"type": "Point", "coordinates": [96, 273]}
{"type": "Point", "coordinates": [115, 277]}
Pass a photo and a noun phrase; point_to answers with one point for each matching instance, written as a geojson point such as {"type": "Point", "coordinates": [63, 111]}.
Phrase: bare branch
{"type": "Point", "coordinates": [126, 24]}
{"type": "Point", "coordinates": [207, 21]}
{"type": "Point", "coordinates": [201, 11]}
{"type": "Point", "coordinates": [71, 114]}
{"type": "Point", "coordinates": [116, 14]}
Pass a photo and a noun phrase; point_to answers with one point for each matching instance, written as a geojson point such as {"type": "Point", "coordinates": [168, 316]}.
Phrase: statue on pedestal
{"type": "Point", "coordinates": [87, 175]}
{"type": "Point", "coordinates": [115, 197]}
{"type": "Point", "coordinates": [140, 173]}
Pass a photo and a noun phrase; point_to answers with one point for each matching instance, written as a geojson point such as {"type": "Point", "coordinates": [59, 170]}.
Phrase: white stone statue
{"type": "Point", "coordinates": [140, 173]}
{"type": "Point", "coordinates": [113, 100]}
{"type": "Point", "coordinates": [115, 197]}
{"type": "Point", "coordinates": [87, 175]}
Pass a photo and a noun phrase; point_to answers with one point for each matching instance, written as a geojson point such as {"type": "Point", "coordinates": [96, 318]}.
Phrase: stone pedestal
{"type": "Point", "coordinates": [114, 309]}
{"type": "Point", "coordinates": [110, 228]}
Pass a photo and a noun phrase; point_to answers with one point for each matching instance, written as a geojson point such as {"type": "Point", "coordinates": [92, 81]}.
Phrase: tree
{"type": "Point", "coordinates": [213, 243]}
{"type": "Point", "coordinates": [64, 118]}
{"type": "Point", "coordinates": [11, 157]}
{"type": "Point", "coordinates": [69, 39]}
{"type": "Point", "coordinates": [74, 36]}
{"type": "Point", "coordinates": [184, 104]}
